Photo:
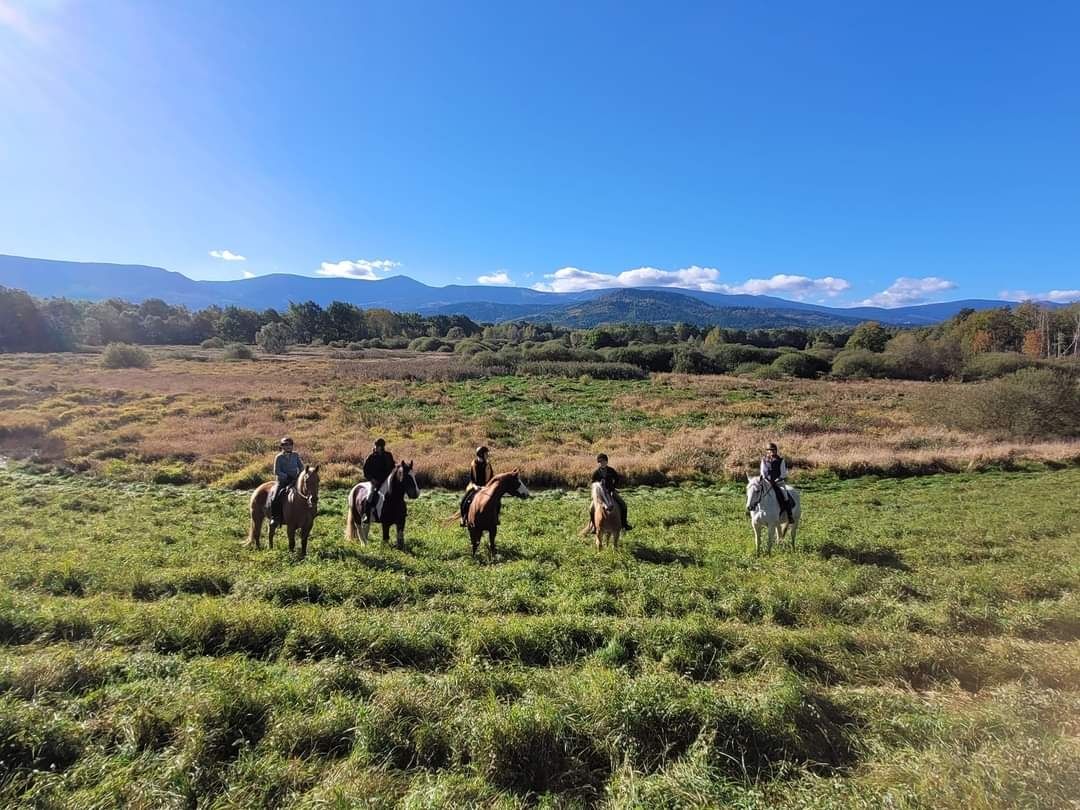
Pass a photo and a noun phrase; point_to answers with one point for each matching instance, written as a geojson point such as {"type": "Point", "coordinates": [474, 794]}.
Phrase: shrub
{"type": "Point", "coordinates": [574, 369]}
{"type": "Point", "coordinates": [995, 364]}
{"type": "Point", "coordinates": [427, 344]}
{"type": "Point", "coordinates": [800, 364]}
{"type": "Point", "coordinates": [693, 361]}
{"type": "Point", "coordinates": [727, 356]}
{"type": "Point", "coordinates": [860, 363]}
{"type": "Point", "coordinates": [124, 355]}
{"type": "Point", "coordinates": [238, 351]}
{"type": "Point", "coordinates": [274, 338]}
{"type": "Point", "coordinates": [648, 357]}
{"type": "Point", "coordinates": [212, 343]}
{"type": "Point", "coordinates": [1027, 404]}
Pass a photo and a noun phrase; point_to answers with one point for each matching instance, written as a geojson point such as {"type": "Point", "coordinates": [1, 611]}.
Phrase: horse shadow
{"type": "Point", "coordinates": [882, 557]}
{"type": "Point", "coordinates": [661, 556]}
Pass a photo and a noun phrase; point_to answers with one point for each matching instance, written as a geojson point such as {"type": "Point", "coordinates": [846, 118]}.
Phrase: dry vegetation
{"type": "Point", "coordinates": [194, 416]}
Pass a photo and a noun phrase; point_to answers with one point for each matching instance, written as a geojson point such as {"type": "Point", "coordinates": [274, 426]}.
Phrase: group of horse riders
{"type": "Point", "coordinates": [379, 464]}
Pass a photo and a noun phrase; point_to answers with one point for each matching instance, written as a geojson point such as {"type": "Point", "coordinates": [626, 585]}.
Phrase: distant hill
{"type": "Point", "coordinates": [666, 307]}
{"type": "Point", "coordinates": [47, 278]}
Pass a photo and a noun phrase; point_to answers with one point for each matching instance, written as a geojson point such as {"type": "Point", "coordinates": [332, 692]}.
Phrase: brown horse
{"type": "Point", "coordinates": [484, 510]}
{"type": "Point", "coordinates": [606, 514]}
{"type": "Point", "coordinates": [392, 511]}
{"type": "Point", "coordinates": [298, 511]}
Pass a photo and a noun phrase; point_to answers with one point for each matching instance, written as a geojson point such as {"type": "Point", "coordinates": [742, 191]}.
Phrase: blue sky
{"type": "Point", "coordinates": [842, 152]}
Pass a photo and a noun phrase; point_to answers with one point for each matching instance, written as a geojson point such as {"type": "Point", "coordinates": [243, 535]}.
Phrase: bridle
{"type": "Point", "coordinates": [762, 486]}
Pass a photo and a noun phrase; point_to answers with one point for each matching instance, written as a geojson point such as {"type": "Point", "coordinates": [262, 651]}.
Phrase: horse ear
{"type": "Point", "coordinates": [749, 477]}
{"type": "Point", "coordinates": [515, 471]}
{"type": "Point", "coordinates": [316, 468]}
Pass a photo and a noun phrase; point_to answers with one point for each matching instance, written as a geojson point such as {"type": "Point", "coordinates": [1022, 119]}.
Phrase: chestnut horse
{"type": "Point", "coordinates": [392, 511]}
{"type": "Point", "coordinates": [606, 514]}
{"type": "Point", "coordinates": [484, 510]}
{"type": "Point", "coordinates": [298, 511]}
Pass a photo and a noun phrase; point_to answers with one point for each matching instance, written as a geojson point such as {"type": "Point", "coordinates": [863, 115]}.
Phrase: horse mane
{"type": "Point", "coordinates": [498, 479]}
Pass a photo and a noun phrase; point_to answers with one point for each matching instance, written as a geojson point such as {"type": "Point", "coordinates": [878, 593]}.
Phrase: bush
{"type": "Point", "coordinates": [212, 343]}
{"type": "Point", "coordinates": [870, 336]}
{"type": "Point", "coordinates": [995, 364]}
{"type": "Point", "coordinates": [727, 356]}
{"type": "Point", "coordinates": [238, 351]}
{"type": "Point", "coordinates": [1027, 404]}
{"type": "Point", "coordinates": [800, 364]}
{"type": "Point", "coordinates": [860, 363]}
{"type": "Point", "coordinates": [124, 355]}
{"type": "Point", "coordinates": [427, 344]}
{"type": "Point", "coordinates": [274, 338]}
{"type": "Point", "coordinates": [574, 369]}
{"type": "Point", "coordinates": [691, 361]}
{"type": "Point", "coordinates": [648, 357]}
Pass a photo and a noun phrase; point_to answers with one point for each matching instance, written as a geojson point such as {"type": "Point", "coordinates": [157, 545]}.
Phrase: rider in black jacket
{"type": "Point", "coordinates": [610, 478]}
{"type": "Point", "coordinates": [377, 468]}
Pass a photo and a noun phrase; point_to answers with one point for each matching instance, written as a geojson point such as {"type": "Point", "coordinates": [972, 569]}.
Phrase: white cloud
{"type": "Point", "coordinates": [791, 286]}
{"type": "Point", "coordinates": [1057, 296]}
{"type": "Point", "coordinates": [706, 279]}
{"type": "Point", "coordinates": [905, 291]}
{"type": "Point", "coordinates": [364, 269]}
{"type": "Point", "coordinates": [228, 256]}
{"type": "Point", "coordinates": [247, 274]}
{"type": "Point", "coordinates": [501, 277]}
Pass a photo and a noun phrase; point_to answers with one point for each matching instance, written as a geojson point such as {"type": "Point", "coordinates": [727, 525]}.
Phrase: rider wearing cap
{"type": "Point", "coordinates": [287, 468]}
{"type": "Point", "coordinates": [480, 473]}
{"type": "Point", "coordinates": [610, 479]}
{"type": "Point", "coordinates": [377, 468]}
{"type": "Point", "coordinates": [774, 470]}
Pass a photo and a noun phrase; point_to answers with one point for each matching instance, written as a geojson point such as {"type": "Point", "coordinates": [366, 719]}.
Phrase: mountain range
{"type": "Point", "coordinates": [46, 278]}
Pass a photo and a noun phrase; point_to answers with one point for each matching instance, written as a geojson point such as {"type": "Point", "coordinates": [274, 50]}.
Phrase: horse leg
{"type": "Point", "coordinates": [599, 538]}
{"type": "Point", "coordinates": [757, 539]}
{"type": "Point", "coordinates": [304, 534]}
{"type": "Point", "coordinates": [291, 531]}
{"type": "Point", "coordinates": [365, 524]}
{"type": "Point", "coordinates": [474, 538]}
{"type": "Point", "coordinates": [793, 528]}
{"type": "Point", "coordinates": [615, 538]}
{"type": "Point", "coordinates": [270, 534]}
{"type": "Point", "coordinates": [491, 539]}
{"type": "Point", "coordinates": [401, 535]}
{"type": "Point", "coordinates": [772, 530]}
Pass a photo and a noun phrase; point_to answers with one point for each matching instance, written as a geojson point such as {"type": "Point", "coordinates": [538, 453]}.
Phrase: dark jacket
{"type": "Point", "coordinates": [377, 468]}
{"type": "Point", "coordinates": [607, 475]}
{"type": "Point", "coordinates": [480, 472]}
{"type": "Point", "coordinates": [774, 470]}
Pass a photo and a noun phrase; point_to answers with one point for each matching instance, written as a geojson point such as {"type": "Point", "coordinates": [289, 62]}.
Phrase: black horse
{"type": "Point", "coordinates": [390, 511]}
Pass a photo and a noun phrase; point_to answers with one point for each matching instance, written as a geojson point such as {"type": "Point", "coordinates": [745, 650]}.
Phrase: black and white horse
{"type": "Point", "coordinates": [389, 511]}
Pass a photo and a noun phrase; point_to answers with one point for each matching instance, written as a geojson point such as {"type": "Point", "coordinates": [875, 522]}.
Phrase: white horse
{"type": "Point", "coordinates": [763, 506]}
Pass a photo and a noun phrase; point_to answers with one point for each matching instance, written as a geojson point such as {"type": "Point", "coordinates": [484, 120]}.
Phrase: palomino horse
{"type": "Point", "coordinates": [764, 509]}
{"type": "Point", "coordinates": [606, 515]}
{"type": "Point", "coordinates": [391, 510]}
{"type": "Point", "coordinates": [298, 511]}
{"type": "Point", "coordinates": [484, 510]}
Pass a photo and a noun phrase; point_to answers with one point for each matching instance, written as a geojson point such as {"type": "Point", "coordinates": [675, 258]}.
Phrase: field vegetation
{"type": "Point", "coordinates": [920, 649]}
{"type": "Point", "coordinates": [196, 416]}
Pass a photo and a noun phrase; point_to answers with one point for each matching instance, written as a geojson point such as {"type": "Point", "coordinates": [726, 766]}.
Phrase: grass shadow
{"type": "Point", "coordinates": [661, 556]}
{"type": "Point", "coordinates": [883, 557]}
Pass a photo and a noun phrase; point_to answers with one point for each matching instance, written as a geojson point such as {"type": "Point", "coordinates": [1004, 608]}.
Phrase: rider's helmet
{"type": "Point", "coordinates": [380, 442]}
{"type": "Point", "coordinates": [286, 441]}
{"type": "Point", "coordinates": [771, 446]}
{"type": "Point", "coordinates": [601, 458]}
{"type": "Point", "coordinates": [481, 450]}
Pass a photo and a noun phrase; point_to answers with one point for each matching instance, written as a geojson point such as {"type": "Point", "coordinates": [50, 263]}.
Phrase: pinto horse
{"type": "Point", "coordinates": [763, 507]}
{"type": "Point", "coordinates": [483, 515]}
{"type": "Point", "coordinates": [606, 515]}
{"type": "Point", "coordinates": [298, 511]}
{"type": "Point", "coordinates": [391, 510]}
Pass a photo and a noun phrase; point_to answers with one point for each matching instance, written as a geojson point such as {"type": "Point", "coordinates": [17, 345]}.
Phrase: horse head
{"type": "Point", "coordinates": [405, 476]}
{"type": "Point", "coordinates": [754, 491]}
{"type": "Point", "coordinates": [308, 485]}
{"type": "Point", "coordinates": [518, 488]}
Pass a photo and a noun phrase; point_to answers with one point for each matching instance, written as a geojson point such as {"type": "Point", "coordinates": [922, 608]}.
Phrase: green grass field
{"type": "Point", "coordinates": [920, 649]}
